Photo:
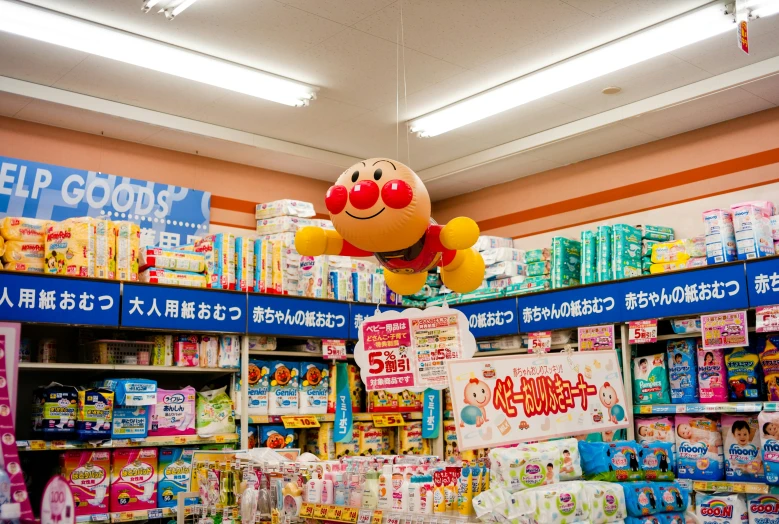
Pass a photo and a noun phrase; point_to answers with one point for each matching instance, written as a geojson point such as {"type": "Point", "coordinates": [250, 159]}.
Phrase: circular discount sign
{"type": "Point", "coordinates": [57, 505]}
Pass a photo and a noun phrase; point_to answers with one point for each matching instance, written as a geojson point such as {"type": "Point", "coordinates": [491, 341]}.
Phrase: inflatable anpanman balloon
{"type": "Point", "coordinates": [381, 207]}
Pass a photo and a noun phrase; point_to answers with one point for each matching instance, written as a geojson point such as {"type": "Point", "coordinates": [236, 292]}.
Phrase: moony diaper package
{"type": "Point", "coordinates": [712, 375]}
{"type": "Point", "coordinates": [699, 454]}
{"type": "Point", "coordinates": [763, 509]}
{"type": "Point", "coordinates": [654, 429]}
{"type": "Point", "coordinates": [70, 247]}
{"type": "Point", "coordinates": [314, 387]}
{"type": "Point", "coordinates": [128, 246]}
{"type": "Point", "coordinates": [682, 370]}
{"type": "Point", "coordinates": [720, 238]}
{"type": "Point", "coordinates": [752, 228]}
{"type": "Point", "coordinates": [768, 428]}
{"type": "Point", "coordinates": [610, 461]}
{"type": "Point", "coordinates": [283, 394]}
{"type": "Point", "coordinates": [88, 474]}
{"type": "Point", "coordinates": [134, 479]}
{"type": "Point", "coordinates": [743, 455]}
{"type": "Point", "coordinates": [745, 381]}
{"type": "Point", "coordinates": [720, 509]}
{"type": "Point", "coordinates": [768, 348]}
{"type": "Point", "coordinates": [174, 412]}
{"type": "Point", "coordinates": [650, 380]}
{"type": "Point", "coordinates": [175, 466]}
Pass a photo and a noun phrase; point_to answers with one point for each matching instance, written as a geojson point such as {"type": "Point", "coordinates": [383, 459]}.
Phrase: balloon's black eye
{"type": "Point", "coordinates": [377, 174]}
{"type": "Point", "coordinates": [355, 176]}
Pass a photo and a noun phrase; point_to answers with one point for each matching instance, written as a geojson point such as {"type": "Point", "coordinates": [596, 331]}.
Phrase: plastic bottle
{"type": "Point", "coordinates": [339, 490]}
{"type": "Point", "coordinates": [415, 494]}
{"type": "Point", "coordinates": [465, 492]}
{"type": "Point", "coordinates": [428, 502]}
{"type": "Point", "coordinates": [327, 489]}
{"type": "Point", "coordinates": [314, 490]}
{"type": "Point", "coordinates": [355, 490]}
{"type": "Point", "coordinates": [402, 501]}
{"type": "Point", "coordinates": [385, 488]}
{"type": "Point", "coordinates": [370, 489]}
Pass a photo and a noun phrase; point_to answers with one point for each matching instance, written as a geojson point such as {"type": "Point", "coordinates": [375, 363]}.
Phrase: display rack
{"type": "Point", "coordinates": [181, 440]}
{"type": "Point", "coordinates": [714, 407]}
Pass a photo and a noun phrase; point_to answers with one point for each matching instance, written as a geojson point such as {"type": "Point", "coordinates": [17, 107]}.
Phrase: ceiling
{"type": "Point", "coordinates": [453, 49]}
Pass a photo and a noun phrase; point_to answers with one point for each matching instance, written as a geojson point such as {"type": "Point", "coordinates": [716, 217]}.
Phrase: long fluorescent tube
{"type": "Point", "coordinates": [81, 35]}
{"type": "Point", "coordinates": [654, 41]}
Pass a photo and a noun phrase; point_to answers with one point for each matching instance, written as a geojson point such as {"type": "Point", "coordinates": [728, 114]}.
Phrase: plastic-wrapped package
{"type": "Point", "coordinates": [743, 453]}
{"type": "Point", "coordinates": [719, 508]}
{"type": "Point", "coordinates": [503, 254]}
{"type": "Point", "coordinates": [70, 247]}
{"type": "Point", "coordinates": [589, 257]}
{"type": "Point", "coordinates": [660, 233]}
{"type": "Point", "coordinates": [128, 245]}
{"type": "Point", "coordinates": [285, 207]}
{"type": "Point", "coordinates": [682, 370]}
{"type": "Point", "coordinates": [610, 461]}
{"type": "Point", "coordinates": [176, 259]}
{"type": "Point", "coordinates": [699, 448]}
{"type": "Point", "coordinates": [566, 262]}
{"type": "Point", "coordinates": [215, 414]}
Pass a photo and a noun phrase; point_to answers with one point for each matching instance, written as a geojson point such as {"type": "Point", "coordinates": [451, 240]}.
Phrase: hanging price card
{"type": "Point", "coordinates": [321, 511]}
{"type": "Point", "coordinates": [596, 338]}
{"type": "Point", "coordinates": [350, 514]}
{"type": "Point", "coordinates": [393, 518]}
{"type": "Point", "coordinates": [385, 420]}
{"type": "Point", "coordinates": [299, 421]}
{"type": "Point", "coordinates": [539, 341]}
{"type": "Point", "coordinates": [642, 331]}
{"type": "Point", "coordinates": [724, 330]}
{"type": "Point", "coordinates": [378, 515]}
{"type": "Point", "coordinates": [364, 518]}
{"type": "Point", "coordinates": [333, 349]}
{"type": "Point", "coordinates": [767, 319]}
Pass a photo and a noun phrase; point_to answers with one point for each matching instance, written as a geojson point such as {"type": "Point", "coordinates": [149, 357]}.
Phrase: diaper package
{"type": "Point", "coordinates": [263, 267]}
{"type": "Point", "coordinates": [503, 254]}
{"type": "Point", "coordinates": [566, 262]}
{"type": "Point", "coordinates": [537, 269]}
{"type": "Point", "coordinates": [314, 274]}
{"type": "Point", "coordinates": [768, 426]}
{"type": "Point", "coordinates": [208, 351]}
{"type": "Point", "coordinates": [54, 411]}
{"type": "Point", "coordinates": [174, 413]}
{"type": "Point", "coordinates": [278, 208]}
{"type": "Point", "coordinates": [673, 251]}
{"type": "Point", "coordinates": [411, 441]}
{"type": "Point", "coordinates": [655, 429]}
{"type": "Point", "coordinates": [156, 275]}
{"type": "Point", "coordinates": [283, 394]}
{"type": "Point", "coordinates": [162, 351]}
{"type": "Point", "coordinates": [720, 509]}
{"type": "Point", "coordinates": [95, 411]}
{"type": "Point", "coordinates": [186, 351]}
{"type": "Point", "coordinates": [105, 249]}
{"type": "Point", "coordinates": [70, 247]}
{"type": "Point", "coordinates": [610, 461]}
{"type": "Point", "coordinates": [768, 348]}
{"type": "Point", "coordinates": [219, 253]}
{"type": "Point", "coordinates": [752, 228]}
{"type": "Point", "coordinates": [350, 447]}
{"type": "Point", "coordinates": [356, 388]}
{"type": "Point", "coordinates": [314, 387]}
{"type": "Point", "coordinates": [743, 456]}
{"type": "Point", "coordinates": [659, 233]}
{"type": "Point", "coordinates": [215, 413]}
{"type": "Point", "coordinates": [606, 501]}
{"type": "Point", "coordinates": [686, 325]}
{"type": "Point", "coordinates": [589, 257]}
{"type": "Point", "coordinates": [282, 224]}
{"type": "Point", "coordinates": [605, 239]}
{"type": "Point", "coordinates": [257, 390]}
{"type": "Point", "coordinates": [175, 465]}
{"type": "Point", "coordinates": [682, 370]}
{"type": "Point", "coordinates": [712, 375]}
{"type": "Point", "coordinates": [261, 343]}
{"type": "Point", "coordinates": [277, 437]}
{"type": "Point", "coordinates": [319, 441]}
{"type": "Point", "coordinates": [25, 267]}
{"type": "Point", "coordinates": [134, 479]}
{"type": "Point", "coordinates": [763, 509]}
{"type": "Point", "coordinates": [720, 237]}
{"type": "Point", "coordinates": [642, 498]}
{"type": "Point", "coordinates": [673, 497]}
{"type": "Point", "coordinates": [128, 246]}
{"type": "Point", "coordinates": [244, 263]}
{"type": "Point", "coordinates": [24, 252]}
{"type": "Point", "coordinates": [657, 460]}
{"type": "Point", "coordinates": [745, 379]}
{"type": "Point", "coordinates": [130, 422]}
{"type": "Point", "coordinates": [176, 259]}
{"type": "Point", "coordinates": [88, 474]}
{"type": "Point", "coordinates": [23, 229]}
{"type": "Point", "coordinates": [650, 380]}
{"type": "Point", "coordinates": [699, 454]}
{"type": "Point", "coordinates": [229, 351]}
{"type": "Point", "coordinates": [486, 242]}
{"type": "Point", "coordinates": [626, 251]}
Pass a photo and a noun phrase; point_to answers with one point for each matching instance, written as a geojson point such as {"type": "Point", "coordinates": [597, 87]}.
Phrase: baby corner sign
{"type": "Point", "coordinates": [509, 400]}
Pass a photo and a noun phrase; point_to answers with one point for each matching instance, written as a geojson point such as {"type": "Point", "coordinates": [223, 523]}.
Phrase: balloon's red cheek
{"type": "Point", "coordinates": [397, 194]}
{"type": "Point", "coordinates": [336, 199]}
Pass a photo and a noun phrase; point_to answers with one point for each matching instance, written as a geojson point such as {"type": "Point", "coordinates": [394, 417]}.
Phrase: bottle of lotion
{"type": "Point", "coordinates": [370, 490]}
{"type": "Point", "coordinates": [385, 488]}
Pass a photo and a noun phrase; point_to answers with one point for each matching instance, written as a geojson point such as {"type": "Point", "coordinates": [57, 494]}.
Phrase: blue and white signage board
{"type": "Point", "coordinates": [568, 308]}
{"type": "Point", "coordinates": [168, 215]}
{"type": "Point", "coordinates": [298, 317]}
{"type": "Point", "coordinates": [29, 298]}
{"type": "Point", "coordinates": [179, 308]}
{"type": "Point", "coordinates": [716, 288]}
{"type": "Point", "coordinates": [359, 312]}
{"type": "Point", "coordinates": [763, 282]}
{"type": "Point", "coordinates": [494, 318]}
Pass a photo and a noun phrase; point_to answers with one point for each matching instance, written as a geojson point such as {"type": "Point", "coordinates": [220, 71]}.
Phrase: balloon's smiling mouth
{"type": "Point", "coordinates": [366, 218]}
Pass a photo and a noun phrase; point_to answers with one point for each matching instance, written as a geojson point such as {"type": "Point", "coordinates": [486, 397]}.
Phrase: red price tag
{"type": "Point", "coordinates": [642, 331]}
{"type": "Point", "coordinates": [393, 519]}
{"type": "Point", "coordinates": [767, 319]}
{"type": "Point", "coordinates": [539, 341]}
{"type": "Point", "coordinates": [365, 516]}
{"type": "Point", "coordinates": [334, 349]}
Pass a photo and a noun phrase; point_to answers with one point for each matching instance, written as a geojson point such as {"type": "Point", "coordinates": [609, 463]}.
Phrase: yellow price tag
{"type": "Point", "coordinates": [37, 445]}
{"type": "Point", "coordinates": [335, 512]}
{"type": "Point", "coordinates": [321, 511]}
{"type": "Point", "coordinates": [307, 510]}
{"type": "Point", "coordinates": [127, 516]}
{"type": "Point", "coordinates": [220, 439]}
{"type": "Point", "coordinates": [351, 515]}
{"type": "Point", "coordinates": [180, 440]}
{"type": "Point", "coordinates": [300, 421]}
{"type": "Point", "coordinates": [378, 515]}
{"type": "Point", "coordinates": [645, 410]}
{"type": "Point", "coordinates": [59, 444]}
{"type": "Point", "coordinates": [386, 420]}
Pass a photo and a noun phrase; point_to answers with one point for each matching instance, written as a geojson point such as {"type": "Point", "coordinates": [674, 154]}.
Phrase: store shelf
{"type": "Point", "coordinates": [184, 440]}
{"type": "Point", "coordinates": [328, 417]}
{"type": "Point", "coordinates": [270, 354]}
{"type": "Point", "coordinates": [723, 407]}
{"type": "Point", "coordinates": [145, 514]}
{"type": "Point", "coordinates": [680, 336]}
{"type": "Point", "coordinates": [770, 406]}
{"type": "Point", "coordinates": [730, 487]}
{"type": "Point", "coordinates": [98, 518]}
{"type": "Point", "coordinates": [30, 366]}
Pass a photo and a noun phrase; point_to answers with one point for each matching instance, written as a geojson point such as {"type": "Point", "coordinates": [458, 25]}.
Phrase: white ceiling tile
{"type": "Point", "coordinates": [714, 114]}
{"type": "Point", "coordinates": [35, 61]}
{"type": "Point", "coordinates": [363, 137]}
{"type": "Point", "coordinates": [12, 104]}
{"type": "Point", "coordinates": [595, 143]}
{"type": "Point", "coordinates": [347, 12]}
{"type": "Point", "coordinates": [767, 89]}
{"type": "Point", "coordinates": [594, 7]}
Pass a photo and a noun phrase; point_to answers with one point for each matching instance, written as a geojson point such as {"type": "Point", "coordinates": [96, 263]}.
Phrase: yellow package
{"type": "Point", "coordinates": [673, 251]}
{"type": "Point", "coordinates": [409, 401]}
{"type": "Point", "coordinates": [388, 439]}
{"type": "Point", "coordinates": [351, 448]}
{"type": "Point", "coordinates": [447, 400]}
{"type": "Point", "coordinates": [162, 351]}
{"type": "Point", "coordinates": [23, 229]}
{"type": "Point", "coordinates": [355, 388]}
{"type": "Point", "coordinates": [25, 267]}
{"type": "Point", "coordinates": [371, 439]}
{"type": "Point", "coordinates": [21, 251]}
{"type": "Point", "coordinates": [128, 246]}
{"type": "Point", "coordinates": [383, 401]}
{"type": "Point", "coordinates": [70, 247]}
{"type": "Point", "coordinates": [2, 246]}
{"type": "Point", "coordinates": [105, 249]}
{"type": "Point", "coordinates": [451, 451]}
{"type": "Point", "coordinates": [319, 441]}
{"type": "Point", "coordinates": [411, 441]}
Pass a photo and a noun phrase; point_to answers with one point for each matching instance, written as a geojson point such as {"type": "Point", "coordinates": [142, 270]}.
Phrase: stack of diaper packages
{"type": "Point", "coordinates": [566, 262]}
{"type": "Point", "coordinates": [505, 266]}
{"type": "Point", "coordinates": [181, 266]}
{"type": "Point", "coordinates": [625, 251]}
{"type": "Point", "coordinates": [538, 270]}
{"type": "Point", "coordinates": [219, 252]}
{"type": "Point", "coordinates": [752, 229]}
{"type": "Point", "coordinates": [719, 235]}
{"type": "Point", "coordinates": [22, 244]}
{"type": "Point", "coordinates": [656, 502]}
{"type": "Point", "coordinates": [674, 255]}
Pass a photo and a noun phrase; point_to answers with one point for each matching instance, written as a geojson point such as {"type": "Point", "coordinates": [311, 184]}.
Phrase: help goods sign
{"type": "Point", "coordinates": [523, 398]}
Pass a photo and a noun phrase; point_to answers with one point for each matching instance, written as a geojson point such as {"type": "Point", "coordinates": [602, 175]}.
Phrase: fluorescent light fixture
{"type": "Point", "coordinates": [148, 4]}
{"type": "Point", "coordinates": [81, 35]}
{"type": "Point", "coordinates": [766, 9]}
{"type": "Point", "coordinates": [173, 13]}
{"type": "Point", "coordinates": [657, 40]}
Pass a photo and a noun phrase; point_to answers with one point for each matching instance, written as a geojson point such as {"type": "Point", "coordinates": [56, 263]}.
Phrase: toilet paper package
{"type": "Point", "coordinates": [655, 429]}
{"type": "Point", "coordinates": [23, 229]}
{"type": "Point", "coordinates": [134, 479]}
{"type": "Point", "coordinates": [699, 453]}
{"type": "Point", "coordinates": [743, 454]}
{"type": "Point", "coordinates": [589, 257]}
{"type": "Point", "coordinates": [606, 501]}
{"type": "Point", "coordinates": [175, 466]}
{"type": "Point", "coordinates": [244, 263]}
{"type": "Point", "coordinates": [712, 375]}
{"type": "Point", "coordinates": [314, 387]}
{"type": "Point", "coordinates": [763, 509]}
{"type": "Point", "coordinates": [682, 370]}
{"type": "Point", "coordinates": [88, 474]}
{"type": "Point", "coordinates": [566, 262]}
{"type": "Point", "coordinates": [673, 497]}
{"type": "Point", "coordinates": [605, 239]}
{"type": "Point", "coordinates": [174, 412]}
{"type": "Point", "coordinates": [720, 509]}
{"type": "Point", "coordinates": [286, 207]}
{"type": "Point", "coordinates": [219, 252]}
{"type": "Point", "coordinates": [128, 245]}
{"type": "Point", "coordinates": [503, 254]}
{"type": "Point", "coordinates": [745, 377]}
{"type": "Point", "coordinates": [768, 427]}
{"type": "Point", "coordinates": [659, 233]}
{"type": "Point", "coordinates": [752, 228]}
{"type": "Point", "coordinates": [70, 247]}
{"type": "Point", "coordinates": [610, 461]}
{"type": "Point", "coordinates": [657, 460]}
{"type": "Point", "coordinates": [24, 252]}
{"type": "Point", "coordinates": [642, 498]}
{"type": "Point", "coordinates": [720, 236]}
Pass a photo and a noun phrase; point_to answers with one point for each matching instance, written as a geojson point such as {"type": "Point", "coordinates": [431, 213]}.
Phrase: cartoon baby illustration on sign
{"type": "Point", "coordinates": [477, 395]}
{"type": "Point", "coordinates": [608, 397]}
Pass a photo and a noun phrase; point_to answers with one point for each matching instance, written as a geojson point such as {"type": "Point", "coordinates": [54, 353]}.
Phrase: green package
{"type": "Point", "coordinates": [604, 236]}
{"type": "Point", "coordinates": [537, 269]}
{"type": "Point", "coordinates": [537, 255]}
{"type": "Point", "coordinates": [589, 257]}
{"type": "Point", "coordinates": [530, 285]}
{"type": "Point", "coordinates": [659, 233]}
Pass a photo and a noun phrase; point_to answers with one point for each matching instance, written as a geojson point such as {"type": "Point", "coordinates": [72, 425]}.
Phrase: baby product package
{"type": "Point", "coordinates": [229, 351]}
{"type": "Point", "coordinates": [487, 242]}
{"type": "Point", "coordinates": [682, 370]}
{"type": "Point", "coordinates": [55, 411]}
{"type": "Point", "coordinates": [763, 509]}
{"type": "Point", "coordinates": [88, 474]}
{"type": "Point", "coordinates": [673, 496]}
{"type": "Point", "coordinates": [721, 509]}
{"type": "Point", "coordinates": [411, 441]}
{"type": "Point", "coordinates": [174, 412]}
{"type": "Point", "coordinates": [350, 447]}
{"type": "Point", "coordinates": [610, 461]}
{"type": "Point", "coordinates": [277, 437]}
{"type": "Point", "coordinates": [259, 384]}
{"type": "Point", "coordinates": [641, 498]}
{"type": "Point", "coordinates": [745, 379]}
{"type": "Point", "coordinates": [699, 454]}
{"type": "Point", "coordinates": [162, 351]}
{"type": "Point", "coordinates": [24, 252]}
{"type": "Point", "coordinates": [606, 501]}
{"type": "Point", "coordinates": [263, 256]}
{"type": "Point", "coordinates": [650, 380]}
{"type": "Point", "coordinates": [589, 257]}
{"type": "Point", "coordinates": [175, 259]}
{"type": "Point", "coordinates": [215, 413]}
{"type": "Point", "coordinates": [356, 388]}
{"type": "Point", "coordinates": [23, 229]}
{"type": "Point", "coordinates": [626, 251]}
{"type": "Point", "coordinates": [570, 462]}
{"type": "Point", "coordinates": [752, 227]}
{"type": "Point", "coordinates": [712, 375]}
{"type": "Point", "coordinates": [516, 469]}
{"type": "Point", "coordinates": [261, 343]}
{"type": "Point", "coordinates": [768, 426]}
{"type": "Point", "coordinates": [605, 239]}
{"type": "Point", "coordinates": [244, 263]}
{"type": "Point", "coordinates": [371, 439]}
{"type": "Point", "coordinates": [185, 351]}
{"type": "Point", "coordinates": [314, 387]}
{"type": "Point", "coordinates": [655, 429]}
{"type": "Point", "coordinates": [720, 237]}
{"type": "Point", "coordinates": [658, 233]}
{"type": "Point", "coordinates": [70, 247]}
{"type": "Point", "coordinates": [128, 246]}
{"type": "Point", "coordinates": [282, 224]}
{"type": "Point", "coordinates": [319, 441]}
{"type": "Point", "coordinates": [157, 275]}
{"type": "Point", "coordinates": [657, 460]}
{"type": "Point", "coordinates": [208, 352]}
{"type": "Point", "coordinates": [504, 254]}
{"type": "Point", "coordinates": [673, 251]}
{"type": "Point", "coordinates": [557, 504]}
{"type": "Point", "coordinates": [130, 422]}
{"type": "Point", "coordinates": [291, 208]}
{"type": "Point", "coordinates": [314, 274]}
{"type": "Point", "coordinates": [566, 262]}
{"type": "Point", "coordinates": [132, 391]}
{"type": "Point", "coordinates": [95, 410]}
{"type": "Point", "coordinates": [219, 252]}
{"type": "Point", "coordinates": [134, 479]}
{"type": "Point", "coordinates": [283, 394]}
{"type": "Point", "coordinates": [175, 466]}
{"type": "Point", "coordinates": [768, 347]}
{"type": "Point", "coordinates": [537, 269]}
{"type": "Point", "coordinates": [743, 456]}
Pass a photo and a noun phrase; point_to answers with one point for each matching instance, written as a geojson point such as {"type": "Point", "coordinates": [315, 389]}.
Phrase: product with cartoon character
{"type": "Point", "coordinates": [283, 394]}
{"type": "Point", "coordinates": [477, 395]}
{"type": "Point", "coordinates": [608, 397]}
{"type": "Point", "coordinates": [277, 437]}
{"type": "Point", "coordinates": [650, 380]}
{"type": "Point", "coordinates": [314, 387]}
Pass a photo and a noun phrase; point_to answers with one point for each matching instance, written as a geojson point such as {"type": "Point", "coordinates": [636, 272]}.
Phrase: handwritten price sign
{"type": "Point", "coordinates": [725, 330]}
{"type": "Point", "coordinates": [539, 342]}
{"type": "Point", "coordinates": [642, 331]}
{"type": "Point", "coordinates": [596, 338]}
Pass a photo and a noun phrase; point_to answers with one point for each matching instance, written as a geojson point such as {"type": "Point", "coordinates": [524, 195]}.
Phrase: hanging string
{"type": "Point", "coordinates": [397, 92]}
{"type": "Point", "coordinates": [405, 91]}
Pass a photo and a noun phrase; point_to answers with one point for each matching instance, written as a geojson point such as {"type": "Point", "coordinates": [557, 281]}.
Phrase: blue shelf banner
{"type": "Point", "coordinates": [716, 288]}
{"type": "Point", "coordinates": [568, 308]}
{"type": "Point", "coordinates": [180, 308]}
{"type": "Point", "coordinates": [28, 298]}
{"type": "Point", "coordinates": [359, 312]}
{"type": "Point", "coordinates": [298, 317]}
{"type": "Point", "coordinates": [491, 319]}
{"type": "Point", "coordinates": [763, 282]}
{"type": "Point", "coordinates": [344, 424]}
{"type": "Point", "coordinates": [431, 413]}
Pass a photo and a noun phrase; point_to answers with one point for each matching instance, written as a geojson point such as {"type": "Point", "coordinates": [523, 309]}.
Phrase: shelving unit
{"type": "Point", "coordinates": [37, 366]}
{"type": "Point", "coordinates": [329, 417]}
{"type": "Point", "coordinates": [714, 407]}
{"type": "Point", "coordinates": [182, 440]}
{"type": "Point", "coordinates": [281, 353]}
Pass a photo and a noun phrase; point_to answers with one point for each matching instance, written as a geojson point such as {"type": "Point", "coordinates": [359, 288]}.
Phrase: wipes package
{"type": "Point", "coordinates": [743, 456]}
{"type": "Point", "coordinates": [606, 501]}
{"type": "Point", "coordinates": [642, 498]}
{"type": "Point", "coordinates": [610, 461]}
{"type": "Point", "coordinates": [657, 460]}
{"type": "Point", "coordinates": [699, 448]}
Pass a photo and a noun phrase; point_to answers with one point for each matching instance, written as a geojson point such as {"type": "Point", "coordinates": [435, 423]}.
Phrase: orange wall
{"type": "Point", "coordinates": [235, 188]}
{"type": "Point", "coordinates": [725, 157]}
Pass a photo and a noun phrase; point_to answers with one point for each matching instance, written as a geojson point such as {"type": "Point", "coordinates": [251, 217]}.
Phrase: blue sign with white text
{"type": "Point", "coordinates": [763, 282]}
{"type": "Point", "coordinates": [180, 308]}
{"type": "Point", "coordinates": [359, 312]}
{"type": "Point", "coordinates": [716, 288]}
{"type": "Point", "coordinates": [298, 317]}
{"type": "Point", "coordinates": [28, 298]}
{"type": "Point", "coordinates": [491, 319]}
{"type": "Point", "coordinates": [168, 215]}
{"type": "Point", "coordinates": [568, 308]}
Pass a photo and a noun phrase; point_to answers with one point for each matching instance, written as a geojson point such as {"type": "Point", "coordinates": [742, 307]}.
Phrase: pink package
{"type": "Point", "coordinates": [185, 351]}
{"type": "Point", "coordinates": [712, 381]}
{"type": "Point", "coordinates": [765, 206]}
{"type": "Point", "coordinates": [174, 413]}
{"type": "Point", "coordinates": [134, 479]}
{"type": "Point", "coordinates": [88, 474]}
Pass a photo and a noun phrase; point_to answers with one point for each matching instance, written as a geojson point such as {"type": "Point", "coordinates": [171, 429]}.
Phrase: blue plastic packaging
{"type": "Point", "coordinates": [673, 496]}
{"type": "Point", "coordinates": [642, 498]}
{"type": "Point", "coordinates": [682, 371]}
{"type": "Point", "coordinates": [610, 461]}
{"type": "Point", "coordinates": [657, 460]}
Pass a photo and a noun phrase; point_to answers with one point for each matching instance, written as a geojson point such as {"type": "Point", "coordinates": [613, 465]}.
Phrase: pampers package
{"type": "Point", "coordinates": [743, 456]}
{"type": "Point", "coordinates": [610, 461]}
{"type": "Point", "coordinates": [589, 257]}
{"type": "Point", "coordinates": [720, 239]}
{"type": "Point", "coordinates": [134, 479]}
{"type": "Point", "coordinates": [699, 454]}
{"type": "Point", "coordinates": [174, 412]}
{"type": "Point", "coordinates": [712, 376]}
{"type": "Point", "coordinates": [88, 474]}
{"type": "Point", "coordinates": [721, 509]}
{"type": "Point", "coordinates": [283, 393]}
{"type": "Point", "coordinates": [175, 465]}
{"type": "Point", "coordinates": [626, 251]}
{"type": "Point", "coordinates": [605, 236]}
{"type": "Point", "coordinates": [744, 373]}
{"type": "Point", "coordinates": [566, 262]}
{"type": "Point", "coordinates": [768, 427]}
{"type": "Point", "coordinates": [682, 370]}
{"type": "Point", "coordinates": [650, 380]}
{"type": "Point", "coordinates": [768, 348]}
{"type": "Point", "coordinates": [314, 387]}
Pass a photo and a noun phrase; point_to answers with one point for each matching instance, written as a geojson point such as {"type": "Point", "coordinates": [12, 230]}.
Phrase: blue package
{"type": "Point", "coordinates": [673, 496]}
{"type": "Point", "coordinates": [763, 509]}
{"type": "Point", "coordinates": [175, 465]}
{"type": "Point", "coordinates": [682, 371]}
{"type": "Point", "coordinates": [610, 461]}
{"type": "Point", "coordinates": [130, 422]}
{"type": "Point", "coordinates": [672, 518]}
{"type": "Point", "coordinates": [699, 454]}
{"type": "Point", "coordinates": [641, 498]}
{"type": "Point", "coordinates": [744, 373]}
{"type": "Point", "coordinates": [649, 519]}
{"type": "Point", "coordinates": [657, 460]}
